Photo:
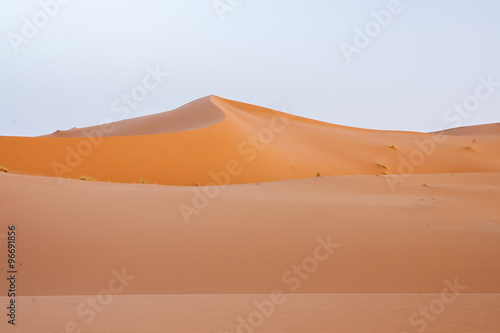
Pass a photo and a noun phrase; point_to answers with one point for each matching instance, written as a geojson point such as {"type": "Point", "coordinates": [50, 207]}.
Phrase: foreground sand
{"type": "Point", "coordinates": [389, 250]}
{"type": "Point", "coordinates": [247, 236]}
{"type": "Point", "coordinates": [399, 233]}
{"type": "Point", "coordinates": [320, 313]}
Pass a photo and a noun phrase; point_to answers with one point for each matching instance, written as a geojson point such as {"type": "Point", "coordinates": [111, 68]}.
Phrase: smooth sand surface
{"type": "Point", "coordinates": [319, 313]}
{"type": "Point", "coordinates": [249, 235]}
{"type": "Point", "coordinates": [396, 224]}
{"type": "Point", "coordinates": [392, 254]}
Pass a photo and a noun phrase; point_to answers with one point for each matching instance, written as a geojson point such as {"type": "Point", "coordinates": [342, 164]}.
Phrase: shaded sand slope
{"type": "Point", "coordinates": [478, 130]}
{"type": "Point", "coordinates": [214, 140]}
{"type": "Point", "coordinates": [72, 234]}
{"type": "Point", "coordinates": [197, 114]}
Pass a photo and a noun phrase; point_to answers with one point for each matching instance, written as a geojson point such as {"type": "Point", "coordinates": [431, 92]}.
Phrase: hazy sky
{"type": "Point", "coordinates": [372, 64]}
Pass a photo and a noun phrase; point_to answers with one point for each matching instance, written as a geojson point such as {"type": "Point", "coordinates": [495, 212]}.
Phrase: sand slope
{"type": "Point", "coordinates": [246, 237]}
{"type": "Point", "coordinates": [478, 130]}
{"type": "Point", "coordinates": [197, 114]}
{"type": "Point", "coordinates": [393, 253]}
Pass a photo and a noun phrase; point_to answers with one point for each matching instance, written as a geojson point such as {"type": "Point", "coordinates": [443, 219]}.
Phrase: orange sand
{"type": "Point", "coordinates": [402, 222]}
{"type": "Point", "coordinates": [245, 144]}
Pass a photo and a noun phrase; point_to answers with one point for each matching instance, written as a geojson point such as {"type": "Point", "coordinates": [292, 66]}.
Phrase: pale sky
{"type": "Point", "coordinates": [381, 64]}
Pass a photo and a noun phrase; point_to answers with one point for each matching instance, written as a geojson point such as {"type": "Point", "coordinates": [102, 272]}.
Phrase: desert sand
{"type": "Point", "coordinates": [254, 143]}
{"type": "Point", "coordinates": [252, 220]}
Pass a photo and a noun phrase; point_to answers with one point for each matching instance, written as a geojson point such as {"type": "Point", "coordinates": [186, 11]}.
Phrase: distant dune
{"type": "Point", "coordinates": [315, 227]}
{"type": "Point", "coordinates": [478, 130]}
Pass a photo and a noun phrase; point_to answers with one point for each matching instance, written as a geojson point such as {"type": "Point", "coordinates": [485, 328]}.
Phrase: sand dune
{"type": "Point", "coordinates": [332, 228]}
{"type": "Point", "coordinates": [241, 143]}
{"type": "Point", "coordinates": [478, 130]}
